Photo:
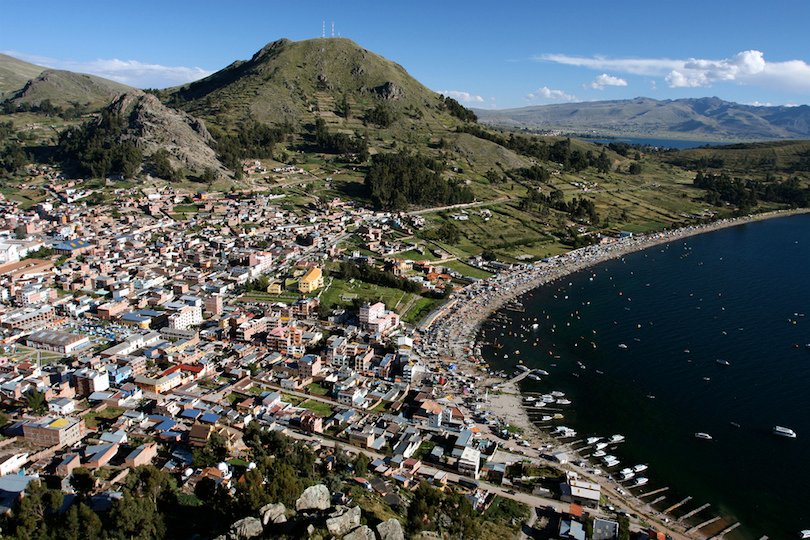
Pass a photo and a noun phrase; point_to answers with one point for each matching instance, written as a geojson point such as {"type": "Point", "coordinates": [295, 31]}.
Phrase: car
{"type": "Point", "coordinates": [510, 491]}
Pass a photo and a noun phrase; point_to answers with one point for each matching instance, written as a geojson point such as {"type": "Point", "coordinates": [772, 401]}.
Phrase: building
{"type": "Point", "coordinates": [62, 406]}
{"type": "Point", "coordinates": [12, 463]}
{"type": "Point", "coordinates": [469, 462]}
{"type": "Point", "coordinates": [311, 281]}
{"type": "Point", "coordinates": [185, 317]}
{"type": "Point", "coordinates": [72, 248]}
{"type": "Point", "coordinates": [580, 491]}
{"type": "Point", "coordinates": [91, 380]}
{"type": "Point", "coordinates": [53, 431]}
{"type": "Point", "coordinates": [142, 455]}
{"type": "Point", "coordinates": [60, 342]}
{"type": "Point", "coordinates": [28, 318]}
{"type": "Point", "coordinates": [31, 295]}
{"type": "Point", "coordinates": [213, 304]}
{"type": "Point", "coordinates": [605, 529]}
{"type": "Point", "coordinates": [376, 319]}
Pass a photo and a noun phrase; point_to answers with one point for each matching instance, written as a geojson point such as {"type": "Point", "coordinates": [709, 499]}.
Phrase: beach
{"type": "Point", "coordinates": [454, 332]}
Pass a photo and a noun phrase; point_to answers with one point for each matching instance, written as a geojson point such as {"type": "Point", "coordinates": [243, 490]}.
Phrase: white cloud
{"type": "Point", "coordinates": [604, 80]}
{"type": "Point", "coordinates": [747, 67]}
{"type": "Point", "coordinates": [131, 72]}
{"type": "Point", "coordinates": [458, 95]}
{"type": "Point", "coordinates": [760, 104]}
{"type": "Point", "coordinates": [551, 94]}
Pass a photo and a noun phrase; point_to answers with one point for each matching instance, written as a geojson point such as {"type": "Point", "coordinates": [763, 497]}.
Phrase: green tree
{"type": "Point", "coordinates": [83, 482]}
{"type": "Point", "coordinates": [36, 402]}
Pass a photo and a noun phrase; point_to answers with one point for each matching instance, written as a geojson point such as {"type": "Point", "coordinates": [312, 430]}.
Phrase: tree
{"type": "Point", "coordinates": [35, 401]}
{"type": "Point", "coordinates": [634, 168]}
{"type": "Point", "coordinates": [162, 167]}
{"type": "Point", "coordinates": [135, 517]}
{"type": "Point", "coordinates": [214, 451]}
{"type": "Point", "coordinates": [361, 464]}
{"type": "Point", "coordinates": [83, 482]}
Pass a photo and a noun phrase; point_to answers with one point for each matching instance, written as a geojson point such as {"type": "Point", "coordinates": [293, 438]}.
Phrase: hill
{"type": "Point", "coordinates": [66, 88]}
{"type": "Point", "coordinates": [15, 73]}
{"type": "Point", "coordinates": [295, 82]}
{"type": "Point", "coordinates": [702, 119]}
{"type": "Point", "coordinates": [760, 159]}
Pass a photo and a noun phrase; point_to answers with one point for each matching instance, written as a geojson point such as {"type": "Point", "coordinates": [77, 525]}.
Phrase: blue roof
{"type": "Point", "coordinates": [14, 483]}
{"type": "Point", "coordinates": [70, 245]}
{"type": "Point", "coordinates": [209, 418]}
{"type": "Point", "coordinates": [191, 413]}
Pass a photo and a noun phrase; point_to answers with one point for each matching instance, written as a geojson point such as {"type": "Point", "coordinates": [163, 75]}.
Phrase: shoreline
{"type": "Point", "coordinates": [454, 329]}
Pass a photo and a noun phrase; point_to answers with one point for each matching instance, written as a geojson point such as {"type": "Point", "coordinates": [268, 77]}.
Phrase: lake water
{"type": "Point", "coordinates": [740, 295]}
{"type": "Point", "coordinates": [661, 143]}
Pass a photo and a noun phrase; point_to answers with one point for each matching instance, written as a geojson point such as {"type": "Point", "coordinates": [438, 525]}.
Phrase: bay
{"type": "Point", "coordinates": [741, 295]}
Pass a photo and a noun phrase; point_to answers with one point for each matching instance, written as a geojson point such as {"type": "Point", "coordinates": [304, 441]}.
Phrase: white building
{"type": "Point", "coordinates": [12, 463]}
{"type": "Point", "coordinates": [185, 317]}
{"type": "Point", "coordinates": [469, 462]}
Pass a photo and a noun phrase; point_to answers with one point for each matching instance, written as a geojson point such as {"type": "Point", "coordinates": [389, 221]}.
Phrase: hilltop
{"type": "Point", "coordinates": [66, 88]}
{"type": "Point", "coordinates": [14, 73]}
{"type": "Point", "coordinates": [703, 119]}
{"type": "Point", "coordinates": [296, 81]}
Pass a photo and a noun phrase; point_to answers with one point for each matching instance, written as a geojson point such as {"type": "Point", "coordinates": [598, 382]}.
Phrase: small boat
{"type": "Point", "coordinates": [723, 362]}
{"type": "Point", "coordinates": [601, 446]}
{"type": "Point", "coordinates": [535, 377]}
{"type": "Point", "coordinates": [622, 346]}
{"type": "Point", "coordinates": [563, 402]}
{"type": "Point", "coordinates": [804, 534]}
{"type": "Point", "coordinates": [616, 439]}
{"type": "Point", "coordinates": [530, 399]}
{"type": "Point", "coordinates": [593, 440]}
{"type": "Point", "coordinates": [735, 424]}
{"type": "Point", "coordinates": [784, 432]}
{"type": "Point", "coordinates": [704, 436]}
{"type": "Point", "coordinates": [541, 372]}
{"type": "Point", "coordinates": [599, 453]}
{"type": "Point", "coordinates": [539, 405]}
{"type": "Point", "coordinates": [640, 481]}
{"type": "Point", "coordinates": [626, 474]}
{"type": "Point", "coordinates": [640, 468]}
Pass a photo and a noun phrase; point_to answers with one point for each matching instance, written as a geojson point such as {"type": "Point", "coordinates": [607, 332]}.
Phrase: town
{"type": "Point", "coordinates": [132, 337]}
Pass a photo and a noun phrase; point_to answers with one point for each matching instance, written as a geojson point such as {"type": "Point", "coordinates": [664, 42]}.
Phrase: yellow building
{"type": "Point", "coordinates": [312, 281]}
{"type": "Point", "coordinates": [275, 288]}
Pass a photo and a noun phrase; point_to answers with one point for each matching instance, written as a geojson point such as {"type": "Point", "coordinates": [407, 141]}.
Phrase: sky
{"type": "Point", "coordinates": [510, 54]}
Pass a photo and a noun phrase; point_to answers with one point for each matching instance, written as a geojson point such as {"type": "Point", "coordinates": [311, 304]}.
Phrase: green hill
{"type": "Point", "coordinates": [751, 158]}
{"type": "Point", "coordinates": [15, 73]}
{"type": "Point", "coordinates": [295, 82]}
{"type": "Point", "coordinates": [65, 88]}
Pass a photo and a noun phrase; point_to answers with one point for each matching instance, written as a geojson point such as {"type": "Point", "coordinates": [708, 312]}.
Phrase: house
{"type": "Point", "coordinates": [142, 455]}
{"type": "Point", "coordinates": [99, 455]}
{"type": "Point", "coordinates": [572, 529]}
{"type": "Point", "coordinates": [605, 529]}
{"type": "Point", "coordinates": [12, 463]}
{"type": "Point", "coordinates": [53, 431]}
{"type": "Point", "coordinates": [60, 342]}
{"type": "Point", "coordinates": [69, 462]}
{"type": "Point", "coordinates": [62, 406]}
{"type": "Point", "coordinates": [469, 462]}
{"type": "Point", "coordinates": [580, 491]}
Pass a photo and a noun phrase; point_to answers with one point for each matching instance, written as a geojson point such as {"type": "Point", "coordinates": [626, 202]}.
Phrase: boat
{"type": "Point", "coordinates": [530, 399]}
{"type": "Point", "coordinates": [541, 372]}
{"type": "Point", "coordinates": [610, 461]}
{"type": "Point", "coordinates": [535, 326]}
{"type": "Point", "coordinates": [557, 394]}
{"type": "Point", "coordinates": [723, 362]}
{"type": "Point", "coordinates": [545, 418]}
{"type": "Point", "coordinates": [640, 468]}
{"type": "Point", "coordinates": [704, 436]}
{"type": "Point", "coordinates": [640, 481]}
{"type": "Point", "coordinates": [601, 446]}
{"type": "Point", "coordinates": [805, 533]}
{"type": "Point", "coordinates": [599, 453]}
{"type": "Point", "coordinates": [616, 439]}
{"type": "Point", "coordinates": [535, 377]}
{"type": "Point", "coordinates": [735, 424]}
{"type": "Point", "coordinates": [593, 440]}
{"type": "Point", "coordinates": [622, 346]}
{"type": "Point", "coordinates": [539, 405]}
{"type": "Point", "coordinates": [563, 402]}
{"type": "Point", "coordinates": [784, 432]}
{"type": "Point", "coordinates": [626, 473]}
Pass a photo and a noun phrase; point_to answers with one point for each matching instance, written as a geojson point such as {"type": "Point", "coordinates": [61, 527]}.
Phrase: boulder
{"type": "Point", "coordinates": [340, 524]}
{"type": "Point", "coordinates": [390, 530]}
{"type": "Point", "coordinates": [249, 527]}
{"type": "Point", "coordinates": [273, 513]}
{"type": "Point", "coordinates": [361, 533]}
{"type": "Point", "coordinates": [315, 497]}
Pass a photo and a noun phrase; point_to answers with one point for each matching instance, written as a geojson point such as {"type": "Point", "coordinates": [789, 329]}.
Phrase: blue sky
{"type": "Point", "coordinates": [507, 54]}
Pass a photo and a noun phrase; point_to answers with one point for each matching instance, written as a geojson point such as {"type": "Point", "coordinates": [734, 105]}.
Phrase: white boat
{"type": "Point", "coordinates": [723, 362]}
{"type": "Point", "coordinates": [534, 377]}
{"type": "Point", "coordinates": [547, 398]}
{"type": "Point", "coordinates": [704, 436]}
{"type": "Point", "coordinates": [593, 440]}
{"type": "Point", "coordinates": [601, 446]}
{"type": "Point", "coordinates": [535, 326]}
{"type": "Point", "coordinates": [616, 439]}
{"type": "Point", "coordinates": [622, 346]}
{"type": "Point", "coordinates": [599, 453]}
{"type": "Point", "coordinates": [640, 468]}
{"type": "Point", "coordinates": [530, 399]}
{"type": "Point", "coordinates": [805, 533]}
{"type": "Point", "coordinates": [640, 481]}
{"type": "Point", "coordinates": [545, 419]}
{"type": "Point", "coordinates": [784, 432]}
{"type": "Point", "coordinates": [539, 405]}
{"type": "Point", "coordinates": [610, 461]}
{"type": "Point", "coordinates": [563, 402]}
{"type": "Point", "coordinates": [626, 474]}
{"type": "Point", "coordinates": [541, 372]}
{"type": "Point", "coordinates": [557, 393]}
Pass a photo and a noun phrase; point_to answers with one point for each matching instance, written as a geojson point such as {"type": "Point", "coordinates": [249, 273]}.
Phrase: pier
{"type": "Point", "coordinates": [726, 531]}
{"type": "Point", "coordinates": [693, 512]}
{"type": "Point", "coordinates": [650, 493]}
{"type": "Point", "coordinates": [678, 505]}
{"type": "Point", "coordinates": [701, 525]}
{"type": "Point", "coordinates": [658, 500]}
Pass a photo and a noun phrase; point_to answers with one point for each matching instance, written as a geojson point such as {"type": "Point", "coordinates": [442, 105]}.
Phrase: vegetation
{"type": "Point", "coordinates": [459, 111]}
{"type": "Point", "coordinates": [340, 143]}
{"type": "Point", "coordinates": [369, 274]}
{"type": "Point", "coordinates": [396, 181]}
{"type": "Point", "coordinates": [97, 149]}
{"type": "Point", "coordinates": [249, 140]}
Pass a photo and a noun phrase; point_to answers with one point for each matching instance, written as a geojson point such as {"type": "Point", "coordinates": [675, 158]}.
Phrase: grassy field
{"type": "Point", "coordinates": [317, 390]}
{"type": "Point", "coordinates": [93, 418]}
{"type": "Point", "coordinates": [318, 407]}
{"type": "Point", "coordinates": [343, 293]}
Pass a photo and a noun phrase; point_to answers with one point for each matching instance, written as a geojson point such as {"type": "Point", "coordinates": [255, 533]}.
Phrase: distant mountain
{"type": "Point", "coordinates": [65, 88]}
{"type": "Point", "coordinates": [15, 73]}
{"type": "Point", "coordinates": [297, 81]}
{"type": "Point", "coordinates": [702, 119]}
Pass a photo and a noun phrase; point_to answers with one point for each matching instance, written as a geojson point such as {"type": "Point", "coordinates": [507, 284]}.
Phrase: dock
{"type": "Point", "coordinates": [650, 493]}
{"type": "Point", "coordinates": [658, 500]}
{"type": "Point", "coordinates": [693, 512]}
{"type": "Point", "coordinates": [678, 505]}
{"type": "Point", "coordinates": [726, 531]}
{"type": "Point", "coordinates": [701, 525]}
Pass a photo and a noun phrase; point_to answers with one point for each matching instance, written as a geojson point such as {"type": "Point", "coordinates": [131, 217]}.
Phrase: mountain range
{"type": "Point", "coordinates": [710, 119]}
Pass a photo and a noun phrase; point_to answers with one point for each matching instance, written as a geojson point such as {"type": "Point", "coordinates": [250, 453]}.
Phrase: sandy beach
{"type": "Point", "coordinates": [453, 329]}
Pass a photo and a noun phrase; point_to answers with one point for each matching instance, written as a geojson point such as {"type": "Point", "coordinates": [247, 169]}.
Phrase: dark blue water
{"type": "Point", "coordinates": [738, 294]}
{"type": "Point", "coordinates": [660, 143]}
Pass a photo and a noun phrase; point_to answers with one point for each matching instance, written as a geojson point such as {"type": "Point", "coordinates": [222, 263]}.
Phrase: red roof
{"type": "Point", "coordinates": [575, 510]}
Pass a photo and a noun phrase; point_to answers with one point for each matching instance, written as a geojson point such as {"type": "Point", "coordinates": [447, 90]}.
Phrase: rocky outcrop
{"type": "Point", "coordinates": [389, 91]}
{"type": "Point", "coordinates": [249, 527]}
{"type": "Point", "coordinates": [361, 533]}
{"type": "Point", "coordinates": [390, 530]}
{"type": "Point", "coordinates": [341, 522]}
{"type": "Point", "coordinates": [315, 497]}
{"type": "Point", "coordinates": [152, 126]}
{"type": "Point", "coordinates": [273, 513]}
